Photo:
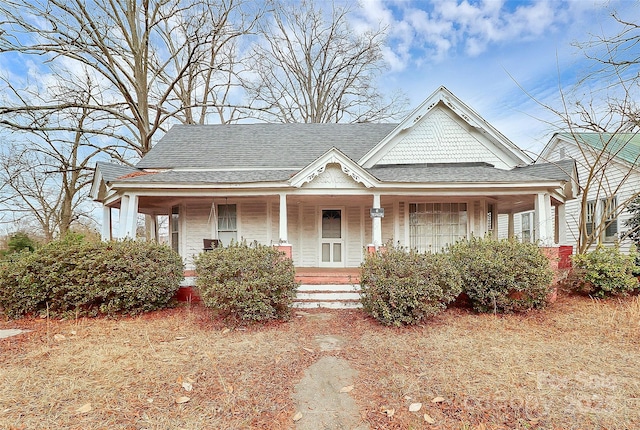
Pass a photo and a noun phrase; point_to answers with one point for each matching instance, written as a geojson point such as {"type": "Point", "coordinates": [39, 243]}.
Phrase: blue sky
{"type": "Point", "coordinates": [483, 50]}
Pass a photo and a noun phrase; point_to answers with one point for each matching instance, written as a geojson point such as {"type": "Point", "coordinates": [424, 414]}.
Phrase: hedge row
{"type": "Point", "coordinates": [90, 278]}
{"type": "Point", "coordinates": [404, 287]}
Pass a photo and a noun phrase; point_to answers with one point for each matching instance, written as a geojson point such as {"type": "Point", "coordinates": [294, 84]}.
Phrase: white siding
{"type": "Point", "coordinates": [614, 173]}
{"type": "Point", "coordinates": [253, 222]}
{"type": "Point", "coordinates": [294, 232]}
{"type": "Point", "coordinates": [309, 245]}
{"type": "Point", "coordinates": [388, 227]}
{"type": "Point", "coordinates": [196, 228]}
{"type": "Point", "coordinates": [354, 242]}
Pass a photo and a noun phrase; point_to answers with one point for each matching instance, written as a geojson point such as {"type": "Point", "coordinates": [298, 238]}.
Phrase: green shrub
{"type": "Point", "coordinates": [405, 287]}
{"type": "Point", "coordinates": [605, 271]}
{"type": "Point", "coordinates": [503, 275]}
{"type": "Point", "coordinates": [90, 278]}
{"type": "Point", "coordinates": [248, 284]}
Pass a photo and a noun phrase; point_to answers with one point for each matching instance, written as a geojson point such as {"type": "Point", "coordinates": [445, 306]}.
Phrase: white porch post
{"type": "Point", "coordinates": [122, 220]}
{"type": "Point", "coordinates": [511, 226]}
{"type": "Point", "coordinates": [128, 216]}
{"type": "Point", "coordinates": [153, 227]}
{"type": "Point", "coordinates": [283, 219]}
{"type": "Point", "coordinates": [376, 223]}
{"type": "Point", "coordinates": [561, 221]}
{"type": "Point", "coordinates": [543, 218]}
{"type": "Point", "coordinates": [106, 223]}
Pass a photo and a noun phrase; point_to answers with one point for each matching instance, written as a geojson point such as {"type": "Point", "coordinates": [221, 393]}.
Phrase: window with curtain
{"type": "Point", "coordinates": [433, 226]}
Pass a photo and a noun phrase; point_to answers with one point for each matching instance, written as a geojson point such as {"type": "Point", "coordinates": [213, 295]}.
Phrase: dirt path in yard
{"type": "Point", "coordinates": [322, 396]}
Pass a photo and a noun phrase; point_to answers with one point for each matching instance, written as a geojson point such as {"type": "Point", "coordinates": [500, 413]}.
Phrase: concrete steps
{"type": "Point", "coordinates": [319, 288]}
{"type": "Point", "coordinates": [333, 296]}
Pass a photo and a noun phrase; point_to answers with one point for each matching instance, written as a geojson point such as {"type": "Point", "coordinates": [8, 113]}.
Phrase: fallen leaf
{"type": "Point", "coordinates": [415, 407]}
{"type": "Point", "coordinates": [230, 389]}
{"type": "Point", "coordinates": [59, 337]}
{"type": "Point", "coordinates": [297, 417]}
{"type": "Point", "coordinates": [73, 332]}
{"type": "Point", "coordinates": [428, 419]}
{"type": "Point", "coordinates": [187, 386]}
{"type": "Point", "coordinates": [84, 408]}
{"type": "Point", "coordinates": [389, 412]}
{"type": "Point", "coordinates": [182, 399]}
{"type": "Point", "coordinates": [179, 380]}
{"type": "Point", "coordinates": [226, 330]}
{"type": "Point", "coordinates": [437, 399]}
{"type": "Point", "coordinates": [346, 389]}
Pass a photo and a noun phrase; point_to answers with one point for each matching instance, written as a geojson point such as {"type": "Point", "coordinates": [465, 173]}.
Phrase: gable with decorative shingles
{"type": "Point", "coordinates": [444, 130]}
{"type": "Point", "coordinates": [439, 137]}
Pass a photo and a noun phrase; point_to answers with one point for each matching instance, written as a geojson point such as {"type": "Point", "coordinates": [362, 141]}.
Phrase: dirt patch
{"type": "Point", "coordinates": [322, 397]}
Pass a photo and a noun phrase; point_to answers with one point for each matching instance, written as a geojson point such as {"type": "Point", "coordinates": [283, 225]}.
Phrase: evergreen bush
{"type": "Point", "coordinates": [90, 278]}
{"type": "Point", "coordinates": [503, 275]}
{"type": "Point", "coordinates": [604, 271]}
{"type": "Point", "coordinates": [246, 283]}
{"type": "Point", "coordinates": [399, 287]}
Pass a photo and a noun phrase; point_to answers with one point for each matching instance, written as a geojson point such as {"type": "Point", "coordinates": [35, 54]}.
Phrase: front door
{"type": "Point", "coordinates": [331, 238]}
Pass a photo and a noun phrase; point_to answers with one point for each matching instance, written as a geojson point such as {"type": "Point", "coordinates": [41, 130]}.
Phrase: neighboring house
{"type": "Point", "coordinates": [609, 171]}
{"type": "Point", "coordinates": [325, 192]}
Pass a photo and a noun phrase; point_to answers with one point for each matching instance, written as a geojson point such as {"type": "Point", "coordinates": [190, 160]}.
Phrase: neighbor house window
{"type": "Point", "coordinates": [227, 224]}
{"type": "Point", "coordinates": [590, 217]}
{"type": "Point", "coordinates": [174, 228]}
{"type": "Point", "coordinates": [433, 226]}
{"type": "Point", "coordinates": [527, 227]}
{"type": "Point", "coordinates": [610, 219]}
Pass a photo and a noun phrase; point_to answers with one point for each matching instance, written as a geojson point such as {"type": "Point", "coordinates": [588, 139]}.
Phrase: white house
{"type": "Point", "coordinates": [324, 192]}
{"type": "Point", "coordinates": [609, 174]}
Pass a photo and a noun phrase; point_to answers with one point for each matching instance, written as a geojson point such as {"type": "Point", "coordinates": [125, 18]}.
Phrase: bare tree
{"type": "Point", "coordinates": [312, 67]}
{"type": "Point", "coordinates": [141, 66]}
{"type": "Point", "coordinates": [601, 117]}
{"type": "Point", "coordinates": [46, 171]}
{"type": "Point", "coordinates": [140, 53]}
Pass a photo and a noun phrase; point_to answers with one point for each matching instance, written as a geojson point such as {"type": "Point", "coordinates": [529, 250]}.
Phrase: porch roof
{"type": "Point", "coordinates": [425, 173]}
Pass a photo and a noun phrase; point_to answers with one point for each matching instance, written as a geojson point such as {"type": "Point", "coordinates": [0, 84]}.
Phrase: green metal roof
{"type": "Point", "coordinates": [625, 146]}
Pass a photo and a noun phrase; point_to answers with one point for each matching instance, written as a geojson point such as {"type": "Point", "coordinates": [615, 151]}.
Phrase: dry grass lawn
{"type": "Point", "coordinates": [575, 365]}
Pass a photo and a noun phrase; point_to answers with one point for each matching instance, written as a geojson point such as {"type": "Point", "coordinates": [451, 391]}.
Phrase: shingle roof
{"type": "Point", "coordinates": [626, 146]}
{"type": "Point", "coordinates": [561, 170]}
{"type": "Point", "coordinates": [282, 146]}
{"type": "Point", "coordinates": [111, 172]}
{"type": "Point", "coordinates": [213, 177]}
{"type": "Point", "coordinates": [460, 173]}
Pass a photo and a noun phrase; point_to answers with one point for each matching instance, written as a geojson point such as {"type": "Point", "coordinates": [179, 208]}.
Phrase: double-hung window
{"type": "Point", "coordinates": [526, 227]}
{"type": "Point", "coordinates": [227, 224]}
{"type": "Point", "coordinates": [610, 219]}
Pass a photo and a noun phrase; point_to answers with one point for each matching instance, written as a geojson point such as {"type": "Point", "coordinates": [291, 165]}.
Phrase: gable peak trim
{"type": "Point", "coordinates": [333, 156]}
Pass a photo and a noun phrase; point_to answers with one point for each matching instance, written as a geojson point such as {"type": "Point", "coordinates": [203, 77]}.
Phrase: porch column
{"type": "Point", "coordinates": [153, 227]}
{"type": "Point", "coordinates": [283, 219]}
{"type": "Point", "coordinates": [510, 226]}
{"type": "Point", "coordinates": [128, 216]}
{"type": "Point", "coordinates": [376, 223]}
{"type": "Point", "coordinates": [106, 223]}
{"type": "Point", "coordinates": [543, 218]}
{"type": "Point", "coordinates": [561, 223]}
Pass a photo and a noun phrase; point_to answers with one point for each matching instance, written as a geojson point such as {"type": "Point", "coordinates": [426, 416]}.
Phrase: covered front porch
{"type": "Point", "coordinates": [321, 230]}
